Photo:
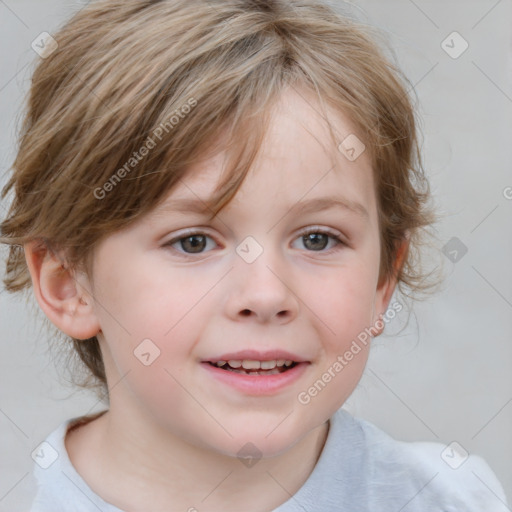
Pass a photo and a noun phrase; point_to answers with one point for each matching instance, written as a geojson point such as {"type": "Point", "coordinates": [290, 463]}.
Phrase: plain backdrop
{"type": "Point", "coordinates": [446, 376]}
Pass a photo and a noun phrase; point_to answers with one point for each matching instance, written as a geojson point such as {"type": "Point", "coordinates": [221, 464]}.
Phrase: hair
{"type": "Point", "coordinates": [126, 70]}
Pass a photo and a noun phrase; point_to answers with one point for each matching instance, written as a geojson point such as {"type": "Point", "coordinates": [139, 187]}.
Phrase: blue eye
{"type": "Point", "coordinates": [314, 239]}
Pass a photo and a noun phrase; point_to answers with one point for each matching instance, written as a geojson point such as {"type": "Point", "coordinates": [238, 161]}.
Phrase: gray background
{"type": "Point", "coordinates": [447, 375]}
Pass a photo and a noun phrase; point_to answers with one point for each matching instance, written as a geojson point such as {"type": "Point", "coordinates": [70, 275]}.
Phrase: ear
{"type": "Point", "coordinates": [386, 288]}
{"type": "Point", "coordinates": [62, 296]}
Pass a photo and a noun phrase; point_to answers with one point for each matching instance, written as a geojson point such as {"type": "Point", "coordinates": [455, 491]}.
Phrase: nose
{"type": "Point", "coordinates": [261, 291]}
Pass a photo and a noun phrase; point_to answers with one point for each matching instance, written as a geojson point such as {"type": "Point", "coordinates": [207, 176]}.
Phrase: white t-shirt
{"type": "Point", "coordinates": [361, 468]}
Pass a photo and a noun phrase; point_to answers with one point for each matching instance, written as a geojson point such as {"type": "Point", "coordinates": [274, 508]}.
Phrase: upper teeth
{"type": "Point", "coordinates": [248, 364]}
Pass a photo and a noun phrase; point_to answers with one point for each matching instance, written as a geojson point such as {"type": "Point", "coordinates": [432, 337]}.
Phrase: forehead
{"type": "Point", "coordinates": [298, 163]}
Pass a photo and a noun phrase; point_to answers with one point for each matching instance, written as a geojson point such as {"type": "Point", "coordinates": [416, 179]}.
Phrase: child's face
{"type": "Point", "coordinates": [203, 298]}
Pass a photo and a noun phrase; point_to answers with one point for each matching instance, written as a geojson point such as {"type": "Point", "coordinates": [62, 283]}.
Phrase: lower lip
{"type": "Point", "coordinates": [258, 384]}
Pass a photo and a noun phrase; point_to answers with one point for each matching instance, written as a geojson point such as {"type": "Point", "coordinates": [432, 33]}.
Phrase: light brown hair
{"type": "Point", "coordinates": [124, 68]}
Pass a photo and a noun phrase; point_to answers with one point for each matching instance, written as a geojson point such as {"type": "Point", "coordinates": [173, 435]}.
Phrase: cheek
{"type": "Point", "coordinates": [140, 301]}
{"type": "Point", "coordinates": [141, 318]}
{"type": "Point", "coordinates": [344, 303]}
{"type": "Point", "coordinates": [344, 311]}
{"type": "Point", "coordinates": [152, 368]}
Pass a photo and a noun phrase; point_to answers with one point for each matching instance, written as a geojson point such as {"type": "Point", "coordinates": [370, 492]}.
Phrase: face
{"type": "Point", "coordinates": [280, 275]}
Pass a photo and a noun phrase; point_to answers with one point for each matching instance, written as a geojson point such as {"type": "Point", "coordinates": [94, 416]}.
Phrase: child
{"type": "Point", "coordinates": [215, 201]}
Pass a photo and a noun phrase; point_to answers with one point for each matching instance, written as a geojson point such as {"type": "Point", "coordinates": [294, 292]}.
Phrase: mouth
{"type": "Point", "coordinates": [257, 372]}
{"type": "Point", "coordinates": [254, 367]}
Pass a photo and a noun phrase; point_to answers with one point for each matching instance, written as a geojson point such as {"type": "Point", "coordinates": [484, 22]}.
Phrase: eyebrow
{"type": "Point", "coordinates": [327, 203]}
{"type": "Point", "coordinates": [312, 205]}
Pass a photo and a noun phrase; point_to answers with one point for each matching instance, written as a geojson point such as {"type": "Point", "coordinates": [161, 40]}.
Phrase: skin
{"type": "Point", "coordinates": [171, 436]}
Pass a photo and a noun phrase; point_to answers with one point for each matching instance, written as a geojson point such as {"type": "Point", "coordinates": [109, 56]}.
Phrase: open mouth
{"type": "Point", "coordinates": [247, 367]}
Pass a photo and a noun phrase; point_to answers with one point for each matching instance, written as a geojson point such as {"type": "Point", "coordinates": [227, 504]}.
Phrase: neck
{"type": "Point", "coordinates": [136, 464]}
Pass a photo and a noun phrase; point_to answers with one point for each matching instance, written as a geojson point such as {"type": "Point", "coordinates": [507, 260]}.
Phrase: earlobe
{"type": "Point", "coordinates": [386, 289]}
{"type": "Point", "coordinates": [60, 294]}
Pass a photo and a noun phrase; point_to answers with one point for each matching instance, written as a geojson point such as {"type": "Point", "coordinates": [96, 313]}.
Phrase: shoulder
{"type": "Point", "coordinates": [59, 487]}
{"type": "Point", "coordinates": [430, 473]}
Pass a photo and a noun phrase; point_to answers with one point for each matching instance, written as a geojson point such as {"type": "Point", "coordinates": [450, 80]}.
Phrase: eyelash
{"type": "Point", "coordinates": [331, 234]}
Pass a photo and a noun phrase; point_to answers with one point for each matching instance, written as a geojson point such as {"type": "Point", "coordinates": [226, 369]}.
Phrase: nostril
{"type": "Point", "coordinates": [246, 312]}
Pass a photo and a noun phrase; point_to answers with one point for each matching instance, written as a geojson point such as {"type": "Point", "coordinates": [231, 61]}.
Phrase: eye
{"type": "Point", "coordinates": [316, 239]}
{"type": "Point", "coordinates": [191, 243]}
